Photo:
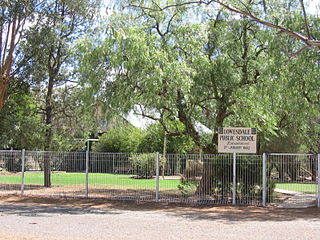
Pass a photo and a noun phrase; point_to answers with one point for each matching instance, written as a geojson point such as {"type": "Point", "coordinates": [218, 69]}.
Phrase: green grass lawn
{"type": "Point", "coordinates": [96, 179]}
{"type": "Point", "coordinates": [122, 181]}
{"type": "Point", "coordinates": [307, 188]}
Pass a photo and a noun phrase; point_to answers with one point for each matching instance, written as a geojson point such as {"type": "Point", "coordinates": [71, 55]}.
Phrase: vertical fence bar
{"type": "Point", "coordinates": [87, 174]}
{"type": "Point", "coordinates": [157, 176]}
{"type": "Point", "coordinates": [264, 179]}
{"type": "Point", "coordinates": [234, 188]}
{"type": "Point", "coordinates": [318, 201]}
{"type": "Point", "coordinates": [22, 170]}
{"type": "Point", "coordinates": [113, 156]}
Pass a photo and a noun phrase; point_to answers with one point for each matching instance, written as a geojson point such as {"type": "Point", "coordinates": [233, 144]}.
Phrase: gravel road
{"type": "Point", "coordinates": [38, 218]}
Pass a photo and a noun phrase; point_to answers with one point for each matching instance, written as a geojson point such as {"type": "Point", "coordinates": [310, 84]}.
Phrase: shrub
{"type": "Point", "coordinates": [154, 135]}
{"type": "Point", "coordinates": [144, 165]}
{"type": "Point", "coordinates": [123, 139]}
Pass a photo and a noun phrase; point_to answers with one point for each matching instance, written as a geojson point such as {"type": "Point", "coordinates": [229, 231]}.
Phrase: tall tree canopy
{"type": "Point", "coordinates": [262, 12]}
{"type": "Point", "coordinates": [48, 49]}
{"type": "Point", "coordinates": [218, 70]}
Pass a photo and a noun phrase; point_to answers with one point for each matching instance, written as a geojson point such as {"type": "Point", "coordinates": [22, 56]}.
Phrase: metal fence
{"type": "Point", "coordinates": [293, 179]}
{"type": "Point", "coordinates": [237, 179]}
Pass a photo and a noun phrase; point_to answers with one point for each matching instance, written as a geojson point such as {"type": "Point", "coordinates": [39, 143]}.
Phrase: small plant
{"type": "Point", "coordinates": [144, 165]}
{"type": "Point", "coordinates": [191, 175]}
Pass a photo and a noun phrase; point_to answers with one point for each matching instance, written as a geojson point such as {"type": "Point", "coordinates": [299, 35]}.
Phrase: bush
{"type": "Point", "coordinates": [123, 139]}
{"type": "Point", "coordinates": [144, 165]}
{"type": "Point", "coordinates": [154, 135]}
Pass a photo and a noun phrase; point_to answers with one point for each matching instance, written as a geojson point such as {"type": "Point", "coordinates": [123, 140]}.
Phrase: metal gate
{"type": "Point", "coordinates": [292, 180]}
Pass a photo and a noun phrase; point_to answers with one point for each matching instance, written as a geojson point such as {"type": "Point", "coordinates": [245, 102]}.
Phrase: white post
{"type": "Point", "coordinates": [157, 176]}
{"type": "Point", "coordinates": [22, 170]}
{"type": "Point", "coordinates": [264, 179]}
{"type": "Point", "coordinates": [87, 173]}
{"type": "Point", "coordinates": [318, 201]}
{"type": "Point", "coordinates": [234, 188]}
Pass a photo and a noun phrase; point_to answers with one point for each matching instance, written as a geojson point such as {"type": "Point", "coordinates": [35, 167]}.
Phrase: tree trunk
{"type": "Point", "coordinates": [3, 91]}
{"type": "Point", "coordinates": [164, 155]}
{"type": "Point", "coordinates": [47, 170]}
{"type": "Point", "coordinates": [206, 183]}
{"type": "Point", "coordinates": [48, 134]}
{"type": "Point", "coordinates": [6, 65]}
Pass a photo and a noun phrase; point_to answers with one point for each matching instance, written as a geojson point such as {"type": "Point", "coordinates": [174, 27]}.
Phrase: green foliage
{"type": "Point", "coordinates": [181, 65]}
{"type": "Point", "coordinates": [249, 177]}
{"type": "Point", "coordinates": [20, 125]}
{"type": "Point", "coordinates": [211, 72]}
{"type": "Point", "coordinates": [289, 141]}
{"type": "Point", "coordinates": [46, 59]}
{"type": "Point", "coordinates": [74, 121]}
{"type": "Point", "coordinates": [153, 140]}
{"type": "Point", "coordinates": [124, 139]}
{"type": "Point", "coordinates": [143, 164]}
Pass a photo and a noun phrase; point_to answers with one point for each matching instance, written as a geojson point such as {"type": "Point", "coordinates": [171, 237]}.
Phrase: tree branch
{"type": "Point", "coordinates": [172, 6]}
{"type": "Point", "coordinates": [307, 40]}
{"type": "Point", "coordinates": [306, 24]}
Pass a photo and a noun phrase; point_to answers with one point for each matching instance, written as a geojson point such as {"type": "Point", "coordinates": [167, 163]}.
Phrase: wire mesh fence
{"type": "Point", "coordinates": [249, 181]}
{"type": "Point", "coordinates": [293, 179]}
{"type": "Point", "coordinates": [122, 176]}
{"type": "Point", "coordinates": [193, 178]}
{"type": "Point", "coordinates": [10, 168]}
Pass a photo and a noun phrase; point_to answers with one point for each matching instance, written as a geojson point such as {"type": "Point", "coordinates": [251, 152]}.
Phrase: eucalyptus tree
{"type": "Point", "coordinates": [48, 51]}
{"type": "Point", "coordinates": [14, 14]}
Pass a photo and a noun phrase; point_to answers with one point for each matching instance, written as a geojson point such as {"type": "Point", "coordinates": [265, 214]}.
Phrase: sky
{"type": "Point", "coordinates": [314, 6]}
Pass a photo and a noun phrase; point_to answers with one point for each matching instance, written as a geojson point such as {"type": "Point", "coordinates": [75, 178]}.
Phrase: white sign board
{"type": "Point", "coordinates": [237, 140]}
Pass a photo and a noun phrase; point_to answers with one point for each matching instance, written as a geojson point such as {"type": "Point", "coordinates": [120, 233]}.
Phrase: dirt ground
{"type": "Point", "coordinates": [239, 211]}
{"type": "Point", "coordinates": [58, 218]}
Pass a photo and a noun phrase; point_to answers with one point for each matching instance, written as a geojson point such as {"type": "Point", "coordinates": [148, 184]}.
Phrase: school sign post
{"type": "Point", "coordinates": [236, 140]}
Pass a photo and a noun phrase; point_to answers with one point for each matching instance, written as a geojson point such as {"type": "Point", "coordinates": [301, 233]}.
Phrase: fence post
{"type": "Point", "coordinates": [113, 156]}
{"type": "Point", "coordinates": [157, 176]}
{"type": "Point", "coordinates": [234, 188]}
{"type": "Point", "coordinates": [87, 174]}
{"type": "Point", "coordinates": [264, 179]}
{"type": "Point", "coordinates": [22, 170]}
{"type": "Point", "coordinates": [318, 201]}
